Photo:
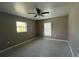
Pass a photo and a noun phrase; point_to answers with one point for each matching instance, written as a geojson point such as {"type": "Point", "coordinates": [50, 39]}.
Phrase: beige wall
{"type": "Point", "coordinates": [59, 27]}
{"type": "Point", "coordinates": [73, 31]}
{"type": "Point", "coordinates": [39, 28]}
{"type": "Point", "coordinates": [8, 31]}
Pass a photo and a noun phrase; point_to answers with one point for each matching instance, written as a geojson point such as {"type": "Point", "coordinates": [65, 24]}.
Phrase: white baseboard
{"type": "Point", "coordinates": [68, 45]}
{"type": "Point", "coordinates": [58, 40]}
{"type": "Point", "coordinates": [16, 45]}
{"type": "Point", "coordinates": [71, 49]}
{"type": "Point", "coordinates": [61, 40]}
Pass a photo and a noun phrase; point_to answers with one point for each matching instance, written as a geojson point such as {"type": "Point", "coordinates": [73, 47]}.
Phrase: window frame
{"type": "Point", "coordinates": [48, 28]}
{"type": "Point", "coordinates": [17, 28]}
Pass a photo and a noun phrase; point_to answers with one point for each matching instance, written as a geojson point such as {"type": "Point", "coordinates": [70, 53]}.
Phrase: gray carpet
{"type": "Point", "coordinates": [40, 48]}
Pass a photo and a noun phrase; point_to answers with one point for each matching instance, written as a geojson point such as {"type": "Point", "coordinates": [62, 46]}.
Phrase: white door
{"type": "Point", "coordinates": [47, 29]}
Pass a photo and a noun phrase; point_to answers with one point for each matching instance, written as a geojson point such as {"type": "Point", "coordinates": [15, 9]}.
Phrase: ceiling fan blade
{"type": "Point", "coordinates": [31, 13]}
{"type": "Point", "coordinates": [38, 10]}
{"type": "Point", "coordinates": [44, 12]}
{"type": "Point", "coordinates": [35, 16]}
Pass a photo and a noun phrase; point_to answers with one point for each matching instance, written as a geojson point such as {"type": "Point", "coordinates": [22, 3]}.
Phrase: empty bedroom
{"type": "Point", "coordinates": [39, 29]}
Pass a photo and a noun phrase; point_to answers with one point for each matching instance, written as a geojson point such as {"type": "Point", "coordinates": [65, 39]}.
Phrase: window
{"type": "Point", "coordinates": [47, 29]}
{"type": "Point", "coordinates": [21, 26]}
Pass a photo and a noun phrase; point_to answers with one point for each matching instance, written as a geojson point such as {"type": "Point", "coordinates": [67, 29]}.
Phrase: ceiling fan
{"type": "Point", "coordinates": [39, 12]}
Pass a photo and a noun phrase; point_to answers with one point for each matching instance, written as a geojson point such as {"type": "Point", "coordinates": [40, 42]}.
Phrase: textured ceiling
{"type": "Point", "coordinates": [56, 9]}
